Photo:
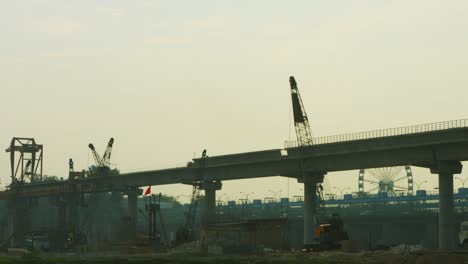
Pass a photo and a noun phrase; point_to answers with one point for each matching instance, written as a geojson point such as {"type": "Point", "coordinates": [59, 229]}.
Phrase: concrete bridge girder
{"type": "Point", "coordinates": [422, 157]}
{"type": "Point", "coordinates": [414, 149]}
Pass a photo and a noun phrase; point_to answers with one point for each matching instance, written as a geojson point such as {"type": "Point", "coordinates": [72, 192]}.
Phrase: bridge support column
{"type": "Point", "coordinates": [21, 219]}
{"type": "Point", "coordinates": [73, 219]}
{"type": "Point", "coordinates": [117, 214]}
{"type": "Point", "coordinates": [209, 202]}
{"type": "Point", "coordinates": [60, 216]}
{"type": "Point", "coordinates": [311, 204]}
{"type": "Point", "coordinates": [132, 202]}
{"type": "Point", "coordinates": [446, 170]}
{"type": "Point", "coordinates": [116, 198]}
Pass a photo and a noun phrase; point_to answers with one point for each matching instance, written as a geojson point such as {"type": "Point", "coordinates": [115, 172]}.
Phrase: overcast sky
{"type": "Point", "coordinates": [168, 79]}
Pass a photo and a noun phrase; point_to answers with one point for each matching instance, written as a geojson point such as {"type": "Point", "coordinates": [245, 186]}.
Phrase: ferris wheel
{"type": "Point", "coordinates": [390, 180]}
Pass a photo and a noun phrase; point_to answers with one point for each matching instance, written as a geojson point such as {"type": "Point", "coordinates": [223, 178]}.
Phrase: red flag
{"type": "Point", "coordinates": [148, 190]}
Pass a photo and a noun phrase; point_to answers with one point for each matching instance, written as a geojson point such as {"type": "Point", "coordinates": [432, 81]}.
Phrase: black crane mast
{"type": "Point", "coordinates": [303, 132]}
{"type": "Point", "coordinates": [301, 122]}
{"type": "Point", "coordinates": [186, 233]}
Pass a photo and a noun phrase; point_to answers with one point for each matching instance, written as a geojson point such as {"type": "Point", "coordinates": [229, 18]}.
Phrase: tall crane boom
{"type": "Point", "coordinates": [304, 135]}
{"type": "Point", "coordinates": [107, 154]}
{"type": "Point", "coordinates": [102, 164]}
{"type": "Point", "coordinates": [96, 156]}
{"type": "Point", "coordinates": [301, 122]}
{"type": "Point", "coordinates": [190, 217]}
{"type": "Point", "coordinates": [186, 233]}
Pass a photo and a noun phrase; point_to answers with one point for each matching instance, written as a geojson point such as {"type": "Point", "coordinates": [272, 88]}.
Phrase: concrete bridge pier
{"type": "Point", "coordinates": [73, 212]}
{"type": "Point", "coordinates": [209, 202]}
{"type": "Point", "coordinates": [310, 181]}
{"type": "Point", "coordinates": [446, 170]}
{"type": "Point", "coordinates": [21, 219]}
{"type": "Point", "coordinates": [60, 205]}
{"type": "Point", "coordinates": [117, 213]}
{"type": "Point", "coordinates": [67, 214]}
{"type": "Point", "coordinates": [132, 201]}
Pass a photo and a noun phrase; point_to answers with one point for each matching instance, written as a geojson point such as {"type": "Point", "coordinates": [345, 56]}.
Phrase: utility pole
{"type": "Point", "coordinates": [275, 194]}
{"type": "Point", "coordinates": [341, 190]}
{"type": "Point", "coordinates": [462, 181]}
{"type": "Point", "coordinates": [421, 183]}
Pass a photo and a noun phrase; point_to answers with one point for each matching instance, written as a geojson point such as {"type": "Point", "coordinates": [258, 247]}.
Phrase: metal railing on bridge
{"type": "Point", "coordinates": [407, 130]}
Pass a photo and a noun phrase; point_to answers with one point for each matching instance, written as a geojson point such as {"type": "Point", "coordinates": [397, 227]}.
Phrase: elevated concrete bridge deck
{"type": "Point", "coordinates": [425, 149]}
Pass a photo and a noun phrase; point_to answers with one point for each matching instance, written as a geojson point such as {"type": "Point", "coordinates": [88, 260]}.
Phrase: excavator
{"type": "Point", "coordinates": [329, 230]}
{"type": "Point", "coordinates": [330, 233]}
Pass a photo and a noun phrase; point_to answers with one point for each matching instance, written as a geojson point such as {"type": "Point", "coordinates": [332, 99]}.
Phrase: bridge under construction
{"type": "Point", "coordinates": [439, 147]}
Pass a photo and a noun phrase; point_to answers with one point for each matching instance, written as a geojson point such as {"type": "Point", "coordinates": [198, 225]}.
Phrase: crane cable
{"type": "Point", "coordinates": [289, 138]}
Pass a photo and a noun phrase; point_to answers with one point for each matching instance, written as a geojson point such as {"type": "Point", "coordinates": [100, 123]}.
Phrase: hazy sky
{"type": "Point", "coordinates": [168, 79]}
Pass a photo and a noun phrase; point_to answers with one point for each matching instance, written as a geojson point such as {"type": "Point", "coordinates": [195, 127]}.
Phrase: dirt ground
{"type": "Point", "coordinates": [430, 257]}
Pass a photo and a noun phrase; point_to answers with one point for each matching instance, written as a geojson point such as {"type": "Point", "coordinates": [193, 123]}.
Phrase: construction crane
{"type": "Point", "coordinates": [105, 160]}
{"type": "Point", "coordinates": [187, 232]}
{"type": "Point", "coordinates": [102, 169]}
{"type": "Point", "coordinates": [303, 131]}
{"type": "Point", "coordinates": [21, 150]}
{"type": "Point", "coordinates": [329, 230]}
{"type": "Point", "coordinates": [102, 164]}
{"type": "Point", "coordinates": [301, 122]}
{"type": "Point", "coordinates": [192, 212]}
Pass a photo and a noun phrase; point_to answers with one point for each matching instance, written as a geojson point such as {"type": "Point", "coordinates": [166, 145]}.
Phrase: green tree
{"type": "Point", "coordinates": [101, 171]}
{"type": "Point", "coordinates": [50, 178]}
{"type": "Point", "coordinates": [167, 199]}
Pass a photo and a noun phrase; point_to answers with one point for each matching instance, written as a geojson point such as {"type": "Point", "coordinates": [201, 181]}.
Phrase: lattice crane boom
{"type": "Point", "coordinates": [304, 134]}
{"type": "Point", "coordinates": [107, 154]}
{"type": "Point", "coordinates": [301, 121]}
{"type": "Point", "coordinates": [186, 232]}
{"type": "Point", "coordinates": [190, 220]}
{"type": "Point", "coordinates": [96, 156]}
{"type": "Point", "coordinates": [105, 160]}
